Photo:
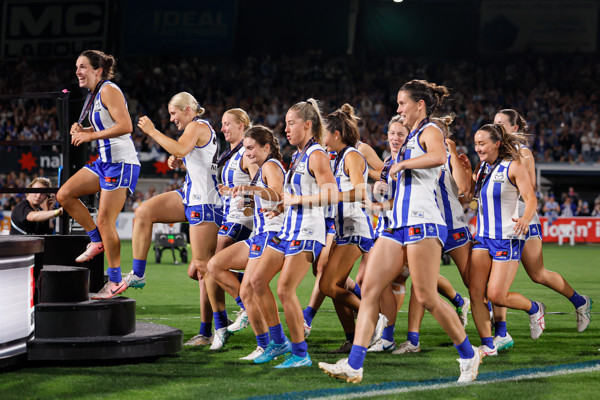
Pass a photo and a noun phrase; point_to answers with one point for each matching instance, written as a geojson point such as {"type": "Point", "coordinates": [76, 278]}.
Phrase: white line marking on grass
{"type": "Point", "coordinates": [391, 388]}
{"type": "Point", "coordinates": [420, 388]}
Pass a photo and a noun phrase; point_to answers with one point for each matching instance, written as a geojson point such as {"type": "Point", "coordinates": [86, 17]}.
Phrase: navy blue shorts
{"type": "Point", "coordinates": [257, 244]}
{"type": "Point", "coordinates": [113, 176]}
{"type": "Point", "coordinates": [456, 238]}
{"type": "Point", "coordinates": [293, 247]}
{"type": "Point", "coordinates": [237, 232]}
{"type": "Point", "coordinates": [535, 231]}
{"type": "Point", "coordinates": [363, 243]}
{"type": "Point", "coordinates": [500, 249]}
{"type": "Point", "coordinates": [416, 233]}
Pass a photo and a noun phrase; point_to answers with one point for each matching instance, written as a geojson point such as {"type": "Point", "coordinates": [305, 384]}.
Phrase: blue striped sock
{"type": "Point", "coordinates": [205, 329]}
{"type": "Point", "coordinates": [534, 308]}
{"type": "Point", "coordinates": [139, 267]}
{"type": "Point", "coordinates": [500, 328]}
{"type": "Point", "coordinates": [457, 301]}
{"type": "Point", "coordinates": [413, 338]}
{"type": "Point", "coordinates": [388, 333]}
{"type": "Point", "coordinates": [309, 314]}
{"type": "Point", "coordinates": [262, 340]}
{"type": "Point", "coordinates": [357, 356]}
{"type": "Point", "coordinates": [239, 302]}
{"type": "Point", "coordinates": [220, 318]}
{"type": "Point", "coordinates": [465, 350]}
{"type": "Point", "coordinates": [487, 341]}
{"type": "Point", "coordinates": [300, 349]}
{"type": "Point", "coordinates": [489, 306]}
{"type": "Point", "coordinates": [95, 235]}
{"type": "Point", "coordinates": [357, 290]}
{"type": "Point", "coordinates": [114, 274]}
{"type": "Point", "coordinates": [276, 334]}
{"type": "Point", "coordinates": [577, 300]}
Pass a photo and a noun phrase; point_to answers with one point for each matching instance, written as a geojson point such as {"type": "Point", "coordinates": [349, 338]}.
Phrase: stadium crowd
{"type": "Point", "coordinates": [561, 107]}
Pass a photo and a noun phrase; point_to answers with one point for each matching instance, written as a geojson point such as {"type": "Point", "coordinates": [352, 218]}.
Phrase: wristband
{"type": "Point", "coordinates": [56, 212]}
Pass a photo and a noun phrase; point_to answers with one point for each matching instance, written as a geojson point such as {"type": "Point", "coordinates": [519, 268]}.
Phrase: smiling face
{"type": "Point", "coordinates": [397, 134]}
{"type": "Point", "coordinates": [296, 130]}
{"type": "Point", "coordinates": [180, 117]}
{"type": "Point", "coordinates": [255, 153]}
{"type": "Point", "coordinates": [408, 109]}
{"type": "Point", "coordinates": [87, 76]}
{"type": "Point", "coordinates": [486, 148]}
{"type": "Point", "coordinates": [233, 130]}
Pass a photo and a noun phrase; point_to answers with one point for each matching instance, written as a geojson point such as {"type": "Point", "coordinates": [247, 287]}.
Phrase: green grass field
{"type": "Point", "coordinates": [171, 298]}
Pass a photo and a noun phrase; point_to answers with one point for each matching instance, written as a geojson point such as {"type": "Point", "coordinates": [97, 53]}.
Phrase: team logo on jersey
{"type": "Point", "coordinates": [499, 177]}
{"type": "Point", "coordinates": [296, 243]}
{"type": "Point", "coordinates": [301, 168]}
{"type": "Point", "coordinates": [417, 214]}
{"type": "Point", "coordinates": [460, 218]}
{"type": "Point", "coordinates": [111, 180]}
{"type": "Point", "coordinates": [414, 231]}
{"type": "Point", "coordinates": [430, 228]}
{"type": "Point", "coordinates": [533, 230]}
{"type": "Point", "coordinates": [196, 214]}
{"type": "Point", "coordinates": [348, 229]}
{"type": "Point", "coordinates": [502, 253]}
{"type": "Point", "coordinates": [233, 164]}
{"type": "Point", "coordinates": [196, 196]}
{"type": "Point", "coordinates": [224, 228]}
{"type": "Point", "coordinates": [308, 231]}
{"type": "Point", "coordinates": [256, 247]}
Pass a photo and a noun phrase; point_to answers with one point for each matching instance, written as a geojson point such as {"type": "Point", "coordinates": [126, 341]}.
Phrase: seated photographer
{"type": "Point", "coordinates": [35, 214]}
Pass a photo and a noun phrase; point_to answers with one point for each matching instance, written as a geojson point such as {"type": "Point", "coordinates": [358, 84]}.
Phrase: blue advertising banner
{"type": "Point", "coordinates": [179, 26]}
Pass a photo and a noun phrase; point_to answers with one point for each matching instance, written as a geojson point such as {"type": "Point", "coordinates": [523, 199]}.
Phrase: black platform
{"type": "Point", "coordinates": [91, 330]}
{"type": "Point", "coordinates": [148, 340]}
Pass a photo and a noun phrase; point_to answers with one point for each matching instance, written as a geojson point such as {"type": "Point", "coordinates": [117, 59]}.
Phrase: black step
{"type": "Point", "coordinates": [148, 340]}
{"type": "Point", "coordinates": [87, 318]}
{"type": "Point", "coordinates": [63, 284]}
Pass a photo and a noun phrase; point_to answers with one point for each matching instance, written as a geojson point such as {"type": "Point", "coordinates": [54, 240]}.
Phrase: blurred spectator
{"type": "Point", "coordinates": [551, 208]}
{"type": "Point", "coordinates": [583, 209]}
{"type": "Point", "coordinates": [596, 210]}
{"type": "Point", "coordinates": [568, 208]}
{"type": "Point", "coordinates": [151, 192]}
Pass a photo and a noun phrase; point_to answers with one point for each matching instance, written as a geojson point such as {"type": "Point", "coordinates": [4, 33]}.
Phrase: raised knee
{"type": "Point", "coordinates": [61, 196]}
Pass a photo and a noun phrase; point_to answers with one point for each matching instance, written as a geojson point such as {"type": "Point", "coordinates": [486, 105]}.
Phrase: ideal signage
{"type": "Point", "coordinates": [50, 29]}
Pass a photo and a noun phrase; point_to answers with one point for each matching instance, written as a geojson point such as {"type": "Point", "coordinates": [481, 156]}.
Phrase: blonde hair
{"type": "Point", "coordinates": [241, 117]}
{"type": "Point", "coordinates": [184, 99]}
{"type": "Point", "coordinates": [44, 181]}
{"type": "Point", "coordinates": [444, 122]}
{"type": "Point", "coordinates": [309, 111]}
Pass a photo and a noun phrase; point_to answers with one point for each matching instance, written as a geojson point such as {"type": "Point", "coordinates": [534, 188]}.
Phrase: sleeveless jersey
{"type": "Point", "coordinates": [330, 210]}
{"type": "Point", "coordinates": [498, 204]}
{"type": "Point", "coordinates": [447, 199]}
{"type": "Point", "coordinates": [233, 175]}
{"type": "Point", "coordinates": [351, 218]}
{"type": "Point", "coordinates": [383, 220]}
{"type": "Point", "coordinates": [119, 149]}
{"type": "Point", "coordinates": [415, 197]}
{"type": "Point", "coordinates": [261, 223]}
{"type": "Point", "coordinates": [302, 222]}
{"type": "Point", "coordinates": [200, 185]}
{"type": "Point", "coordinates": [536, 218]}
